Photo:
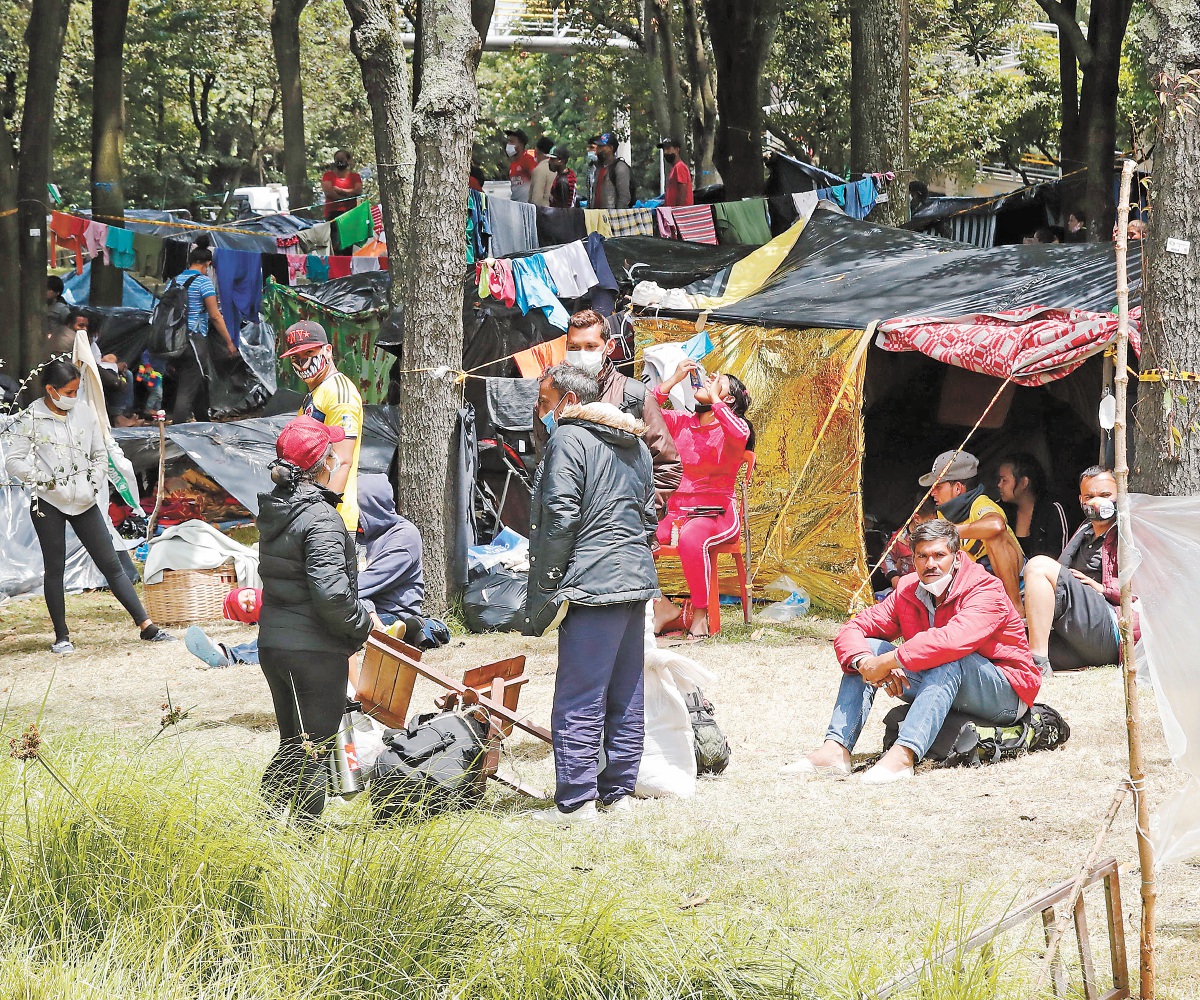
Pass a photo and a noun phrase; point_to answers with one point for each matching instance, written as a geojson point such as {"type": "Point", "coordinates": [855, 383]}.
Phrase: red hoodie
{"type": "Point", "coordinates": [976, 616]}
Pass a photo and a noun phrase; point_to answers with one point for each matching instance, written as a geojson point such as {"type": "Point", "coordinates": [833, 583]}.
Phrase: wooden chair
{"type": "Point", "coordinates": [389, 673]}
{"type": "Point", "coordinates": [738, 548]}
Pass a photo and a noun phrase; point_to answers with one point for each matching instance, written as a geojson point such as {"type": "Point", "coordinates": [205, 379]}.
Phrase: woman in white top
{"type": "Point", "coordinates": [57, 449]}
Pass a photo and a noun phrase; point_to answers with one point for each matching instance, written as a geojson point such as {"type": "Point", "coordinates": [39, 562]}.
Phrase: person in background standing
{"type": "Point", "coordinates": [194, 366]}
{"type": "Point", "coordinates": [520, 164]}
{"type": "Point", "coordinates": [678, 191]}
{"type": "Point", "coordinates": [613, 178]}
{"type": "Point", "coordinates": [343, 186]}
{"type": "Point", "coordinates": [543, 175]}
{"type": "Point", "coordinates": [57, 449]}
{"type": "Point", "coordinates": [593, 165]}
{"type": "Point", "coordinates": [562, 190]}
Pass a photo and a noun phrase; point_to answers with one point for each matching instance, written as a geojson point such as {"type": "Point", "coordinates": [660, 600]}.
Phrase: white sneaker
{"type": "Point", "coordinates": [63, 647]}
{"type": "Point", "coordinates": [806, 766]}
{"type": "Point", "coordinates": [586, 813]}
{"type": "Point", "coordinates": [882, 776]}
{"type": "Point", "coordinates": [619, 808]}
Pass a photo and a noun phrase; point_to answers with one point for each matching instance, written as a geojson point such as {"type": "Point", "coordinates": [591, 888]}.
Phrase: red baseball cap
{"type": "Point", "coordinates": [304, 440]}
{"type": "Point", "coordinates": [303, 336]}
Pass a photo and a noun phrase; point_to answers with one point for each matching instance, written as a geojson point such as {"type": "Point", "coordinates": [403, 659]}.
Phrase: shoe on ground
{"type": "Point", "coordinates": [63, 647]}
{"type": "Point", "coordinates": [200, 645]}
{"type": "Point", "coordinates": [158, 635]}
{"type": "Point", "coordinates": [806, 766]}
{"type": "Point", "coordinates": [882, 776]}
{"type": "Point", "coordinates": [619, 807]}
{"type": "Point", "coordinates": [586, 813]}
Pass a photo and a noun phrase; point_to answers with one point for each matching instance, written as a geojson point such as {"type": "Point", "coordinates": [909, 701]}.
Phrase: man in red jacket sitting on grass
{"type": "Point", "coordinates": [964, 648]}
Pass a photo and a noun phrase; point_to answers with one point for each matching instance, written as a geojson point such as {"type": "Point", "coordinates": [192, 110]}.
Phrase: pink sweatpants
{"type": "Point", "coordinates": [697, 535]}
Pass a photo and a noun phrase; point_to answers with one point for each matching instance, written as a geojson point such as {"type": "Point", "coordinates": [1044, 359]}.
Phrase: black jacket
{"type": "Point", "coordinates": [309, 573]}
{"type": "Point", "coordinates": [592, 516]}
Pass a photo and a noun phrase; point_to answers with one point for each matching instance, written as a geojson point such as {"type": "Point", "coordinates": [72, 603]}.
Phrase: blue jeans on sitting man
{"type": "Point", "coordinates": [972, 685]}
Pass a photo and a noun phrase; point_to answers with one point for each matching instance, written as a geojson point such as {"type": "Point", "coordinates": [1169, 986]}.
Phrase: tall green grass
{"type": "Point", "coordinates": [145, 872]}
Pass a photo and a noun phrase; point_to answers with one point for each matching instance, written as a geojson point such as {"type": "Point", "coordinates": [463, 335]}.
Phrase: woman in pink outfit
{"type": "Point", "coordinates": [703, 511]}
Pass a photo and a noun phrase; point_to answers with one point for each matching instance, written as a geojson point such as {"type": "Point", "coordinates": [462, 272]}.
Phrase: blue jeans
{"type": "Point", "coordinates": [245, 653]}
{"type": "Point", "coordinates": [973, 685]}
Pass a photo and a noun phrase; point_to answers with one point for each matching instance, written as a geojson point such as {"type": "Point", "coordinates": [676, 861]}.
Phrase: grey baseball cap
{"type": "Point", "coordinates": [951, 467]}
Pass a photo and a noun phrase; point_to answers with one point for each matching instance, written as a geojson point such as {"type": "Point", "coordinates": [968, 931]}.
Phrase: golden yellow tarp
{"type": "Point", "coordinates": [809, 528]}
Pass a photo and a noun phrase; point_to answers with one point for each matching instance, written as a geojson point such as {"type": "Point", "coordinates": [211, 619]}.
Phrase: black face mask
{"type": "Point", "coordinates": [341, 166]}
{"type": "Point", "coordinates": [670, 158]}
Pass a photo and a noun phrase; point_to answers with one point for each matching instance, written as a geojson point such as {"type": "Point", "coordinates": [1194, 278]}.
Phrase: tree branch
{"type": "Point", "coordinates": [1069, 30]}
{"type": "Point", "coordinates": [619, 26]}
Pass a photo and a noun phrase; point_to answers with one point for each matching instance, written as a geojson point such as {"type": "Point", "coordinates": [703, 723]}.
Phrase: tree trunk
{"type": "Point", "coordinates": [703, 93]}
{"type": "Point", "coordinates": [1070, 152]}
{"type": "Point", "coordinates": [108, 137]}
{"type": "Point", "coordinates": [742, 32]}
{"type": "Point", "coordinates": [10, 273]}
{"type": "Point", "coordinates": [285, 42]}
{"type": "Point", "coordinates": [1167, 431]}
{"type": "Point", "coordinates": [443, 125]}
{"type": "Point", "coordinates": [44, 39]}
{"type": "Point", "coordinates": [879, 97]}
{"type": "Point", "coordinates": [659, 33]}
{"type": "Point", "coordinates": [375, 40]}
{"type": "Point", "coordinates": [1098, 113]}
{"type": "Point", "coordinates": [481, 19]}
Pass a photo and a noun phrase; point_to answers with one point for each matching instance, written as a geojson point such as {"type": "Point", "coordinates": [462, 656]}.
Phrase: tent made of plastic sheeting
{"type": "Point", "coordinates": [236, 454]}
{"type": "Point", "coordinates": [77, 289]}
{"type": "Point", "coordinates": [351, 310]}
{"type": "Point", "coordinates": [844, 273]}
{"type": "Point", "coordinates": [1163, 561]}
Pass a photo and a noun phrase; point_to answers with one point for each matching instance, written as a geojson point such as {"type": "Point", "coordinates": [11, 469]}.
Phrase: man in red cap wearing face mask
{"type": "Point", "coordinates": [332, 399]}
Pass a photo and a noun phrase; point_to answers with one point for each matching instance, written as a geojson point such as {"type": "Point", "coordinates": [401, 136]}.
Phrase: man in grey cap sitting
{"type": "Point", "coordinates": [986, 537]}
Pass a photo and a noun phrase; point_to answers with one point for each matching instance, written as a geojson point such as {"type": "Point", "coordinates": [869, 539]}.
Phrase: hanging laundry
{"type": "Point", "coordinates": [501, 281]}
{"type": "Point", "coordinates": [534, 293]}
{"type": "Point", "coordinates": [595, 220]}
{"type": "Point", "coordinates": [239, 287]}
{"type": "Point", "coordinates": [570, 270]}
{"type": "Point", "coordinates": [148, 252]}
{"type": "Point", "coordinates": [295, 266]}
{"type": "Point", "coordinates": [119, 244]}
{"type": "Point", "coordinates": [806, 204]}
{"type": "Point", "coordinates": [742, 222]}
{"type": "Point", "coordinates": [374, 247]}
{"type": "Point", "coordinates": [533, 362]}
{"type": "Point", "coordinates": [339, 266]}
{"type": "Point", "coordinates": [693, 223]}
{"type": "Point", "coordinates": [513, 226]}
{"type": "Point", "coordinates": [317, 268]}
{"type": "Point", "coordinates": [781, 211]}
{"type": "Point", "coordinates": [483, 285]}
{"type": "Point", "coordinates": [377, 218]}
{"type": "Point", "coordinates": [868, 194]}
{"type": "Point", "coordinates": [316, 239]}
{"type": "Point", "coordinates": [631, 221]}
{"type": "Point", "coordinates": [360, 265]}
{"type": "Point", "coordinates": [94, 236]}
{"type": "Point", "coordinates": [286, 243]}
{"type": "Point", "coordinates": [275, 267]}
{"type": "Point", "coordinates": [477, 222]}
{"type": "Point", "coordinates": [354, 226]}
{"type": "Point", "coordinates": [66, 233]}
{"type": "Point", "coordinates": [560, 225]}
{"type": "Point", "coordinates": [383, 264]}
{"type": "Point", "coordinates": [604, 294]}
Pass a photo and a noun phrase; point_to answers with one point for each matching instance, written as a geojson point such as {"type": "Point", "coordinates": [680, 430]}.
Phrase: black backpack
{"type": "Point", "coordinates": [711, 746]}
{"type": "Point", "coordinates": [169, 321]}
{"type": "Point", "coordinates": [966, 742]}
{"type": "Point", "coordinates": [435, 765]}
{"type": "Point", "coordinates": [633, 398]}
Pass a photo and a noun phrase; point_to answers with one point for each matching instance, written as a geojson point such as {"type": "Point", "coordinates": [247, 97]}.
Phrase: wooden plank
{"type": "Point", "coordinates": [478, 677]}
{"type": "Point", "coordinates": [1085, 950]}
{"type": "Point", "coordinates": [1116, 936]}
{"type": "Point", "coordinates": [1057, 979]}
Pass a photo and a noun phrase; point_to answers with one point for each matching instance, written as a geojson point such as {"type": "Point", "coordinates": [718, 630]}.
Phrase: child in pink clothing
{"type": "Point", "coordinates": [712, 445]}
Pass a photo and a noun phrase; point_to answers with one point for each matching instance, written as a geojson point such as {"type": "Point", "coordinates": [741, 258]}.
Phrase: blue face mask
{"type": "Point", "coordinates": [550, 420]}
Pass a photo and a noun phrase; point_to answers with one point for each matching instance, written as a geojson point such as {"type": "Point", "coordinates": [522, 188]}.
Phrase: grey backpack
{"type": "Point", "coordinates": [712, 749]}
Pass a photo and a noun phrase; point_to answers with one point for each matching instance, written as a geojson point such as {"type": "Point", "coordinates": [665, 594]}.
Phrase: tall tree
{"type": "Point", "coordinates": [1167, 442]}
{"type": "Point", "coordinates": [741, 32]}
{"type": "Point", "coordinates": [443, 124]}
{"type": "Point", "coordinates": [879, 95]}
{"type": "Point", "coordinates": [660, 32]}
{"type": "Point", "coordinates": [285, 43]}
{"type": "Point", "coordinates": [10, 273]}
{"type": "Point", "coordinates": [109, 18]}
{"type": "Point", "coordinates": [1089, 133]}
{"type": "Point", "coordinates": [44, 39]}
{"type": "Point", "coordinates": [702, 91]}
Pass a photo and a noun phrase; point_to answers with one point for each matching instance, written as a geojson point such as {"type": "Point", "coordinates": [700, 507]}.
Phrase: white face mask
{"type": "Point", "coordinates": [590, 361]}
{"type": "Point", "coordinates": [337, 464]}
{"type": "Point", "coordinates": [65, 403]}
{"type": "Point", "coordinates": [940, 585]}
{"type": "Point", "coordinates": [510, 149]}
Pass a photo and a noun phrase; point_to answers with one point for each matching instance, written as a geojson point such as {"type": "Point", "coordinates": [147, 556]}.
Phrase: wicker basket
{"type": "Point", "coordinates": [191, 595]}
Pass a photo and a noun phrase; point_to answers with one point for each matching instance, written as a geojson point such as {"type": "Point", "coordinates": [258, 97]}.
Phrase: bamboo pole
{"type": "Point", "coordinates": [1133, 719]}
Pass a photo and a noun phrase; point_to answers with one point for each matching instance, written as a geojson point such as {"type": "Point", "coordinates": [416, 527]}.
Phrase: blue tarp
{"type": "Point", "coordinates": [77, 290]}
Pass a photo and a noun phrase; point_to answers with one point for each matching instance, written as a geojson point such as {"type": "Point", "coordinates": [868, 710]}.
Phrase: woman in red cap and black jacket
{"type": "Point", "coordinates": [312, 619]}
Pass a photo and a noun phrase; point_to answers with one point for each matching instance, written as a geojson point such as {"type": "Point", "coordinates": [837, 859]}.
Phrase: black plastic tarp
{"type": "Point", "coordinates": [669, 263]}
{"type": "Point", "coordinates": [236, 454]}
{"type": "Point", "coordinates": [843, 273]}
{"type": "Point", "coordinates": [355, 293]}
{"type": "Point", "coordinates": [787, 175]}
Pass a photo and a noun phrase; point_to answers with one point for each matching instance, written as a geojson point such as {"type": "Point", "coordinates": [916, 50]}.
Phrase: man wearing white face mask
{"type": "Point", "coordinates": [964, 649]}
{"type": "Point", "coordinates": [589, 347]}
{"type": "Point", "coordinates": [334, 400]}
{"type": "Point", "coordinates": [1071, 603]}
{"type": "Point", "coordinates": [521, 163]}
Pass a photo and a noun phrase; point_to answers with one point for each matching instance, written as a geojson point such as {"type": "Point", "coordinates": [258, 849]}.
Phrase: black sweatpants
{"type": "Point", "coordinates": [191, 389]}
{"type": "Point", "coordinates": [299, 776]}
{"type": "Point", "coordinates": [50, 523]}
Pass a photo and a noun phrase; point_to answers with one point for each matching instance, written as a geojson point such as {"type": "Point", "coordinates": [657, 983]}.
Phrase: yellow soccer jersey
{"type": "Point", "coordinates": [336, 403]}
{"type": "Point", "coordinates": [976, 548]}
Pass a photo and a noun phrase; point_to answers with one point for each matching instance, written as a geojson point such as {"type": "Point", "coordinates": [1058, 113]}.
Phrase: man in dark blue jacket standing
{"type": "Point", "coordinates": [592, 523]}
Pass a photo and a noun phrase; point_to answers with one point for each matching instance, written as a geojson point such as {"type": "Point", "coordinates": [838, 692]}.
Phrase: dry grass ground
{"type": "Point", "coordinates": [850, 870]}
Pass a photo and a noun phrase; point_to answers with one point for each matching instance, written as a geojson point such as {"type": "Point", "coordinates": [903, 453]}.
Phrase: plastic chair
{"type": "Point", "coordinates": [738, 547]}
